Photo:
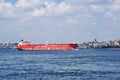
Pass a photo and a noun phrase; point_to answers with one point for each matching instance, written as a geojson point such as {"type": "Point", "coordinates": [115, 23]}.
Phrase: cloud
{"type": "Point", "coordinates": [71, 21]}
{"type": "Point", "coordinates": [34, 8]}
{"type": "Point", "coordinates": [52, 9]}
{"type": "Point", "coordinates": [97, 8]}
{"type": "Point", "coordinates": [5, 8]}
{"type": "Point", "coordinates": [115, 6]}
{"type": "Point", "coordinates": [24, 4]}
{"type": "Point", "coordinates": [53, 18]}
{"type": "Point", "coordinates": [108, 14]}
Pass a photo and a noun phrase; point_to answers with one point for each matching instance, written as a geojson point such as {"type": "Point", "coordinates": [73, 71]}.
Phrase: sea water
{"type": "Point", "coordinates": [86, 64]}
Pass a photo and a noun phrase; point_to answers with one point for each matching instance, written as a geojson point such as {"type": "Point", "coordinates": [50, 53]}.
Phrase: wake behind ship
{"type": "Point", "coordinates": [26, 45]}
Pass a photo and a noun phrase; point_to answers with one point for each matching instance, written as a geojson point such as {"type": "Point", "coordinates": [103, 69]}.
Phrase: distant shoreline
{"type": "Point", "coordinates": [111, 44]}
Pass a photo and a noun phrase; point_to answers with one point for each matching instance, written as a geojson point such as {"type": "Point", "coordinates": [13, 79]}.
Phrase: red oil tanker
{"type": "Point", "coordinates": [26, 45]}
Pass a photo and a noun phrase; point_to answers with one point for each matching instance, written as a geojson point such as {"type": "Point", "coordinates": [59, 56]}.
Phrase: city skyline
{"type": "Point", "coordinates": [59, 20]}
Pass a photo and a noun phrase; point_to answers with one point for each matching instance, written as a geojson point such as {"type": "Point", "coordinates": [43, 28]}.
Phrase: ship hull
{"type": "Point", "coordinates": [47, 47]}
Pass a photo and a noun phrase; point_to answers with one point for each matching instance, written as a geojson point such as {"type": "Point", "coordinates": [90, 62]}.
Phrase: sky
{"type": "Point", "coordinates": [59, 21]}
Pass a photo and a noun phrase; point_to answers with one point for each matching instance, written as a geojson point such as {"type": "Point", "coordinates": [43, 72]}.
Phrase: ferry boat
{"type": "Point", "coordinates": [26, 45]}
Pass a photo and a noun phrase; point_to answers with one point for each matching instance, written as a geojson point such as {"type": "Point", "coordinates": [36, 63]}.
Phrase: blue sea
{"type": "Point", "coordinates": [83, 64]}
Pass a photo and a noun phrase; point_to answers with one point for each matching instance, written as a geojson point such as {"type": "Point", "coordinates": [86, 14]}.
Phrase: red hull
{"type": "Point", "coordinates": [47, 47]}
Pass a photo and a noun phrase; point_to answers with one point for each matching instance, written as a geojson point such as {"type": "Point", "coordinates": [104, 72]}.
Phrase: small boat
{"type": "Point", "coordinates": [26, 45]}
